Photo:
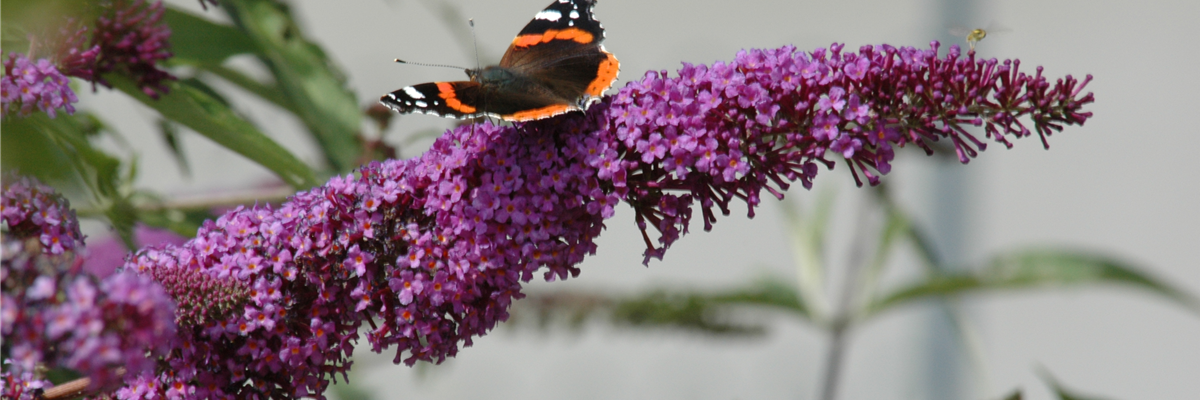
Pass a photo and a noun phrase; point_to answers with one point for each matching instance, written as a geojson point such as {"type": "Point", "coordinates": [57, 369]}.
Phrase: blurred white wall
{"type": "Point", "coordinates": [1124, 184]}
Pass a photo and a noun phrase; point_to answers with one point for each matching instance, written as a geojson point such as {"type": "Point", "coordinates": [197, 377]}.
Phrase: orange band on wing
{"type": "Point", "coordinates": [537, 113]}
{"type": "Point", "coordinates": [604, 76]}
{"type": "Point", "coordinates": [446, 92]}
{"type": "Point", "coordinates": [576, 34]}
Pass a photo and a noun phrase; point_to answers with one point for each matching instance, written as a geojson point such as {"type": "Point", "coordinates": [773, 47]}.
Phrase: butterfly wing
{"type": "Point", "coordinates": [446, 99]}
{"type": "Point", "coordinates": [556, 64]}
{"type": "Point", "coordinates": [470, 99]}
{"type": "Point", "coordinates": [561, 50]}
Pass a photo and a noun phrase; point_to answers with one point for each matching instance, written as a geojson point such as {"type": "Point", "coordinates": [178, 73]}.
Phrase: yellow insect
{"type": "Point", "coordinates": [974, 36]}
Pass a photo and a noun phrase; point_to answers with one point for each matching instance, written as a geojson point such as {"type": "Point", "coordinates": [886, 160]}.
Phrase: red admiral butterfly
{"type": "Point", "coordinates": [555, 65]}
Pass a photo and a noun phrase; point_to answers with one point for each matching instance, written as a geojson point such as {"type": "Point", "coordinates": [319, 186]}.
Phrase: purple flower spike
{"type": "Point", "coordinates": [132, 38]}
{"type": "Point", "coordinates": [769, 118]}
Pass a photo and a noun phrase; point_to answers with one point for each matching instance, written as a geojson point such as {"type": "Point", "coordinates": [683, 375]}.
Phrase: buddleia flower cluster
{"type": "Point", "coordinates": [132, 38]}
{"type": "Point", "coordinates": [729, 131]}
{"type": "Point", "coordinates": [129, 38]}
{"type": "Point", "coordinates": [428, 252]}
{"type": "Point", "coordinates": [54, 316]}
{"type": "Point", "coordinates": [423, 255]}
{"type": "Point", "coordinates": [28, 85]}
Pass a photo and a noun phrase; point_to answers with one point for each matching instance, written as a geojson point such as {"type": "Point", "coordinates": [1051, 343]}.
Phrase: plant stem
{"type": "Point", "coordinates": [67, 390]}
{"type": "Point", "coordinates": [842, 320]}
{"type": "Point", "coordinates": [833, 359]}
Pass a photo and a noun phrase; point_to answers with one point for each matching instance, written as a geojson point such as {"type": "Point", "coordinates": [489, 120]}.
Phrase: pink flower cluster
{"type": "Point", "coordinates": [429, 252]}
{"type": "Point", "coordinates": [31, 209]}
{"type": "Point", "coordinates": [732, 130]}
{"type": "Point", "coordinates": [54, 315]}
{"type": "Point", "coordinates": [27, 85]}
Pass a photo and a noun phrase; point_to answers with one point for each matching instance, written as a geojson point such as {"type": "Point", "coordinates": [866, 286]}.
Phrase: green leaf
{"type": "Point", "coordinates": [66, 135]}
{"type": "Point", "coordinates": [305, 75]}
{"type": "Point", "coordinates": [1030, 269]}
{"type": "Point", "coordinates": [206, 45]}
{"type": "Point", "coordinates": [201, 42]}
{"type": "Point", "coordinates": [768, 291]}
{"type": "Point", "coordinates": [686, 310]}
{"type": "Point", "coordinates": [267, 92]}
{"type": "Point", "coordinates": [27, 149]}
{"type": "Point", "coordinates": [209, 116]}
{"type": "Point", "coordinates": [170, 134]}
{"type": "Point", "coordinates": [123, 217]}
{"type": "Point", "coordinates": [708, 311]}
{"type": "Point", "coordinates": [64, 140]}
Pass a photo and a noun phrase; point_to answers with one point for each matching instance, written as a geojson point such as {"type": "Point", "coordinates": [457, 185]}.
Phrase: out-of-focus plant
{"type": "Point", "coordinates": [838, 311]}
{"type": "Point", "coordinates": [168, 59]}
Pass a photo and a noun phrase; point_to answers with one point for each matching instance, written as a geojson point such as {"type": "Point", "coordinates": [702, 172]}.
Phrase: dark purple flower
{"type": "Point", "coordinates": [73, 53]}
{"type": "Point", "coordinates": [132, 39]}
{"type": "Point", "coordinates": [128, 37]}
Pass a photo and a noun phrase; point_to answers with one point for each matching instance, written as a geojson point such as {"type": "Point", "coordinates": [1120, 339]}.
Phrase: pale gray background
{"type": "Point", "coordinates": [1125, 184]}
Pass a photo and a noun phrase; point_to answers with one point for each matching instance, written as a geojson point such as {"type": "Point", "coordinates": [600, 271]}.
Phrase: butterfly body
{"type": "Point", "coordinates": [555, 65]}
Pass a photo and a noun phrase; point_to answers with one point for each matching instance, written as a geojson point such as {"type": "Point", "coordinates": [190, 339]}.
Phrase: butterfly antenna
{"type": "Point", "coordinates": [476, 42]}
{"type": "Point", "coordinates": [399, 61]}
{"type": "Point", "coordinates": [478, 66]}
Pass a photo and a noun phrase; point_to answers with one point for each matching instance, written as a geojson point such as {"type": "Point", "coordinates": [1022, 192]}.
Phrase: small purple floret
{"type": "Point", "coordinates": [28, 85]}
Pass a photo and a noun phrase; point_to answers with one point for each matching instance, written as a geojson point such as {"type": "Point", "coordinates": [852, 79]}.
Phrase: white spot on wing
{"type": "Point", "coordinates": [550, 15]}
{"type": "Point", "coordinates": [421, 104]}
{"type": "Point", "coordinates": [574, 14]}
{"type": "Point", "coordinates": [413, 92]}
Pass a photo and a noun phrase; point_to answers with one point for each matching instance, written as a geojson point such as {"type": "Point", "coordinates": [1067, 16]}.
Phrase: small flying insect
{"type": "Point", "coordinates": [976, 35]}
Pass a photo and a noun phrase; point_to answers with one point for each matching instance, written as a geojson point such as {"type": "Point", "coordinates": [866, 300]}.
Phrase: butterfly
{"type": "Point", "coordinates": [555, 65]}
